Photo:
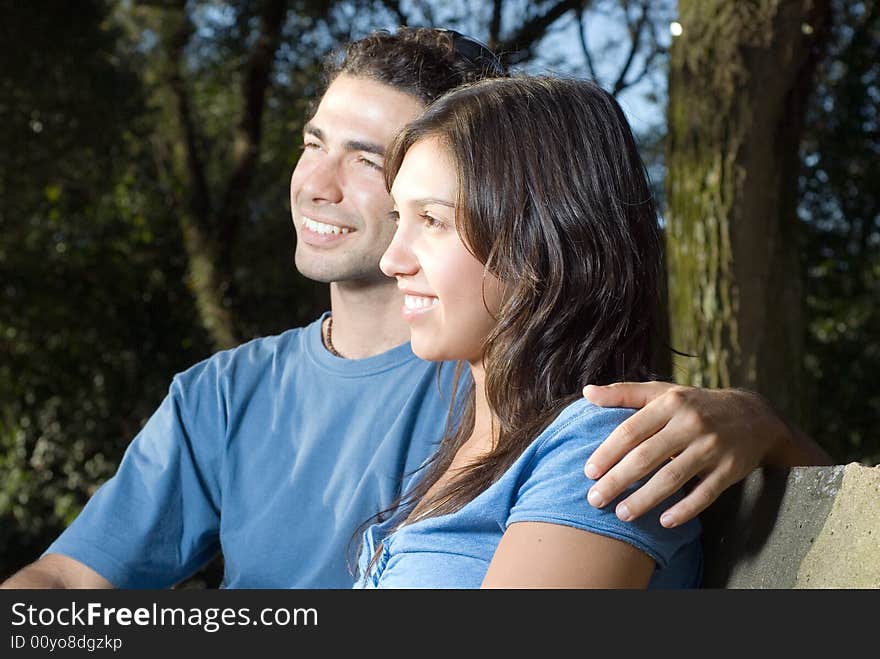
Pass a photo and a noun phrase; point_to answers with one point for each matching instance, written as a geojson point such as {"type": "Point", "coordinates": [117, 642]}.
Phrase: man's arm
{"type": "Point", "coordinates": [56, 571]}
{"type": "Point", "coordinates": [156, 520]}
{"type": "Point", "coordinates": [716, 435]}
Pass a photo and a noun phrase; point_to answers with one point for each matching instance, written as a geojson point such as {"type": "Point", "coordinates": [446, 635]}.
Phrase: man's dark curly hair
{"type": "Point", "coordinates": [420, 61]}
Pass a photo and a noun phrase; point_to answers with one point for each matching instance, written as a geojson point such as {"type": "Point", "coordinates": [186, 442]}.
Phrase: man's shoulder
{"type": "Point", "coordinates": [253, 357]}
{"type": "Point", "coordinates": [263, 349]}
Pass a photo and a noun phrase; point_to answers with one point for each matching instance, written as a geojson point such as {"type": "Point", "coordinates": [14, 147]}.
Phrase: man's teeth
{"type": "Point", "coordinates": [320, 227]}
{"type": "Point", "coordinates": [418, 302]}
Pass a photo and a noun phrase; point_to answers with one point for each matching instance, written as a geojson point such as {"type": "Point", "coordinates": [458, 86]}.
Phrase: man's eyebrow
{"type": "Point", "coordinates": [369, 147]}
{"type": "Point", "coordinates": [350, 145]}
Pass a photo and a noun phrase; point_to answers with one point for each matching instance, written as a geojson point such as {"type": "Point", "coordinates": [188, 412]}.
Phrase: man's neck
{"type": "Point", "coordinates": [366, 318]}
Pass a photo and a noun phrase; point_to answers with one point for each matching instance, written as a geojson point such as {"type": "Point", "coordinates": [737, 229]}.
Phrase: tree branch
{"type": "Point", "coordinates": [520, 44]}
{"type": "Point", "coordinates": [582, 33]}
{"type": "Point", "coordinates": [635, 39]}
{"type": "Point", "coordinates": [394, 7]}
{"type": "Point", "coordinates": [427, 10]}
{"type": "Point", "coordinates": [495, 24]}
{"type": "Point", "coordinates": [199, 201]}
{"type": "Point", "coordinates": [649, 64]}
{"type": "Point", "coordinates": [249, 132]}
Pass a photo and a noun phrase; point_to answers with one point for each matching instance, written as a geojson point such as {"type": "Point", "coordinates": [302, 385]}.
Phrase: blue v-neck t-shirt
{"type": "Point", "coordinates": [545, 484]}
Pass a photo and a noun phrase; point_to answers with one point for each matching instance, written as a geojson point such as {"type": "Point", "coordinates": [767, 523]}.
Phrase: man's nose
{"type": "Point", "coordinates": [399, 260]}
{"type": "Point", "coordinates": [323, 181]}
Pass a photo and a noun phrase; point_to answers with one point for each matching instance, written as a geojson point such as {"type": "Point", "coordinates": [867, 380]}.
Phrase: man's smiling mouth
{"type": "Point", "coordinates": [323, 228]}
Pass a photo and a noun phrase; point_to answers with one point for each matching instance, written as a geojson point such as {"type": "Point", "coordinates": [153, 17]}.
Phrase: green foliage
{"type": "Point", "coordinates": [841, 212]}
{"type": "Point", "coordinates": [264, 292]}
{"type": "Point", "coordinates": [94, 313]}
{"type": "Point", "coordinates": [96, 307]}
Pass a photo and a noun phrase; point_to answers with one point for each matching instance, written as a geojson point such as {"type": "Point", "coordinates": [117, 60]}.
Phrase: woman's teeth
{"type": "Point", "coordinates": [418, 301]}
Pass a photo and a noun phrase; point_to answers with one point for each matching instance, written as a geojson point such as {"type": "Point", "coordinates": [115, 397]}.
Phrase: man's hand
{"type": "Point", "coordinates": [716, 435]}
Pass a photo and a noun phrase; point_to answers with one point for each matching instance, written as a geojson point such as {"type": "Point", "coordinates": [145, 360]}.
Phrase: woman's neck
{"type": "Point", "coordinates": [485, 425]}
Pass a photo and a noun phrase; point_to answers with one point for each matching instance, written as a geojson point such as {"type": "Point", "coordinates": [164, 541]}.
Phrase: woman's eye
{"type": "Point", "coordinates": [394, 216]}
{"type": "Point", "coordinates": [431, 222]}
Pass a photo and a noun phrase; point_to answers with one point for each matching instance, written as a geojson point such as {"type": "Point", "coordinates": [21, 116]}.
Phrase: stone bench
{"type": "Point", "coordinates": [807, 527]}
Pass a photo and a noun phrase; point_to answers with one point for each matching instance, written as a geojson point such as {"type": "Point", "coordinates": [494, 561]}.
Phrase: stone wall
{"type": "Point", "coordinates": [808, 527]}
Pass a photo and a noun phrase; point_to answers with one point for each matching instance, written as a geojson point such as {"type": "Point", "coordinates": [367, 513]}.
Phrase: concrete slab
{"type": "Point", "coordinates": [808, 527]}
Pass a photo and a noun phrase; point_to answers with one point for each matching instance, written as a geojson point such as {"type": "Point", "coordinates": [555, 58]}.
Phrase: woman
{"type": "Point", "coordinates": [527, 247]}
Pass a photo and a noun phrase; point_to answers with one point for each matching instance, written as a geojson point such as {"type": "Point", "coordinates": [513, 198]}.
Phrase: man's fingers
{"type": "Point", "coordinates": [625, 394]}
{"type": "Point", "coordinates": [701, 497]}
{"type": "Point", "coordinates": [626, 437]}
{"type": "Point", "coordinates": [663, 484]}
{"type": "Point", "coordinates": [635, 465]}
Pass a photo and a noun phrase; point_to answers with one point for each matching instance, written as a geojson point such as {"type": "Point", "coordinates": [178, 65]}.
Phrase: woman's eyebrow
{"type": "Point", "coordinates": [431, 200]}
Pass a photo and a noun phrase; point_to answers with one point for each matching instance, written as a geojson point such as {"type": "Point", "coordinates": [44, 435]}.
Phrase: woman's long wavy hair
{"type": "Point", "coordinates": [554, 200]}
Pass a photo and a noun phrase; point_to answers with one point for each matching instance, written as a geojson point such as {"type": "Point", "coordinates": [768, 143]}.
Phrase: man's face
{"type": "Point", "coordinates": [337, 191]}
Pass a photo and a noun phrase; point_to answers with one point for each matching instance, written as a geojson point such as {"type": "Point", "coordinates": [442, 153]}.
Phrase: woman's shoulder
{"type": "Point", "coordinates": [551, 485]}
{"type": "Point", "coordinates": [586, 422]}
{"type": "Point", "coordinates": [570, 438]}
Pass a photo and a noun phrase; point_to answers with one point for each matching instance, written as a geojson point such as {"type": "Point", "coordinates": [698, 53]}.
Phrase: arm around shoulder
{"type": "Point", "coordinates": [56, 571]}
{"type": "Point", "coordinates": [795, 449]}
{"type": "Point", "coordinates": [553, 538]}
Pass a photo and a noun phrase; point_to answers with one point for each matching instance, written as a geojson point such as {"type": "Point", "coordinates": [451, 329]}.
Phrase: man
{"type": "Point", "coordinates": [275, 452]}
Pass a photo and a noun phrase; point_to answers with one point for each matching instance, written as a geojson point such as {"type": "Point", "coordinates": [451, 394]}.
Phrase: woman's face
{"type": "Point", "coordinates": [450, 300]}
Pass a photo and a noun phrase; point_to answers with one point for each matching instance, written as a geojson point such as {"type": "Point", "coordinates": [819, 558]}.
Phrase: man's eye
{"type": "Point", "coordinates": [394, 216]}
{"type": "Point", "coordinates": [310, 145]}
{"type": "Point", "coordinates": [369, 163]}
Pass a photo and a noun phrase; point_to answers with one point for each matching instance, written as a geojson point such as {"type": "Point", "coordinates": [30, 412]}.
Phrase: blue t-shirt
{"type": "Point", "coordinates": [545, 484]}
{"type": "Point", "coordinates": [275, 452]}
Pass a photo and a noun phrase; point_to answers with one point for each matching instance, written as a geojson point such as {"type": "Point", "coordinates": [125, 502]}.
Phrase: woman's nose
{"type": "Point", "coordinates": [399, 260]}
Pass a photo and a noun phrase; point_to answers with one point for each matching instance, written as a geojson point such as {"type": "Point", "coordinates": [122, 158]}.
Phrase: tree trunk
{"type": "Point", "coordinates": [739, 78]}
{"type": "Point", "coordinates": [210, 219]}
